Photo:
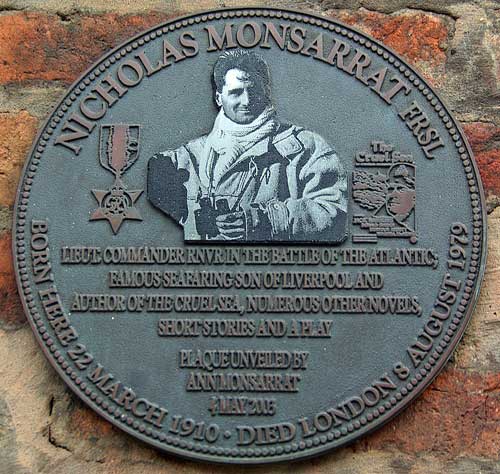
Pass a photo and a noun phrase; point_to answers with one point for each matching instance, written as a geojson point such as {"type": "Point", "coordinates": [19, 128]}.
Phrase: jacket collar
{"type": "Point", "coordinates": [284, 141]}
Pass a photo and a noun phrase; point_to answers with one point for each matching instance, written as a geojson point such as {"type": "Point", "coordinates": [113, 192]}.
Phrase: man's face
{"type": "Point", "coordinates": [242, 97]}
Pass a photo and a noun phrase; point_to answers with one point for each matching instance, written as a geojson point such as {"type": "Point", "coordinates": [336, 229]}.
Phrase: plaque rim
{"type": "Point", "coordinates": [120, 51]}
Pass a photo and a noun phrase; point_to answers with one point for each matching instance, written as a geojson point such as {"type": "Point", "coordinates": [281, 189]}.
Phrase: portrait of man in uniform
{"type": "Point", "coordinates": [252, 178]}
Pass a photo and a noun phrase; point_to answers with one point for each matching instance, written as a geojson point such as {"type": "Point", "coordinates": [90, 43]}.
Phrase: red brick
{"type": "Point", "coordinates": [17, 132]}
{"type": "Point", "coordinates": [484, 139]}
{"type": "Point", "coordinates": [458, 415]}
{"type": "Point", "coordinates": [11, 311]}
{"type": "Point", "coordinates": [419, 37]}
{"type": "Point", "coordinates": [37, 46]}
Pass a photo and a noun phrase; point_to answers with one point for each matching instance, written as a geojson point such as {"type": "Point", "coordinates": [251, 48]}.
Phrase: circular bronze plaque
{"type": "Point", "coordinates": [249, 236]}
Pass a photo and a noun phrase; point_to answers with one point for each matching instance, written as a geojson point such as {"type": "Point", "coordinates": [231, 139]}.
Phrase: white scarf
{"type": "Point", "coordinates": [228, 140]}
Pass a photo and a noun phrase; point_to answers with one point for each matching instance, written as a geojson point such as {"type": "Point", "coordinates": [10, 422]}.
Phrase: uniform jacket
{"type": "Point", "coordinates": [290, 185]}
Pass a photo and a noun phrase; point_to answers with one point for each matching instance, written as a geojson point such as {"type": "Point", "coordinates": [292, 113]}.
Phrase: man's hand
{"type": "Point", "coordinates": [231, 226]}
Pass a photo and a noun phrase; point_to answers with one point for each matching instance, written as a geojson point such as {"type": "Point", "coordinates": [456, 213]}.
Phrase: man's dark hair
{"type": "Point", "coordinates": [247, 61]}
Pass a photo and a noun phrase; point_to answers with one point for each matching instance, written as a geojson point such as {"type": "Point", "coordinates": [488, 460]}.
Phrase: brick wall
{"type": "Point", "coordinates": [454, 427]}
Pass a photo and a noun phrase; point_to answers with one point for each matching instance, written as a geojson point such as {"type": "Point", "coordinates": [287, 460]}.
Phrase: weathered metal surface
{"type": "Point", "coordinates": [249, 236]}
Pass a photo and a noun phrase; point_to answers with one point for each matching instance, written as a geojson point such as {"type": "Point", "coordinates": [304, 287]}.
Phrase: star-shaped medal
{"type": "Point", "coordinates": [116, 205]}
